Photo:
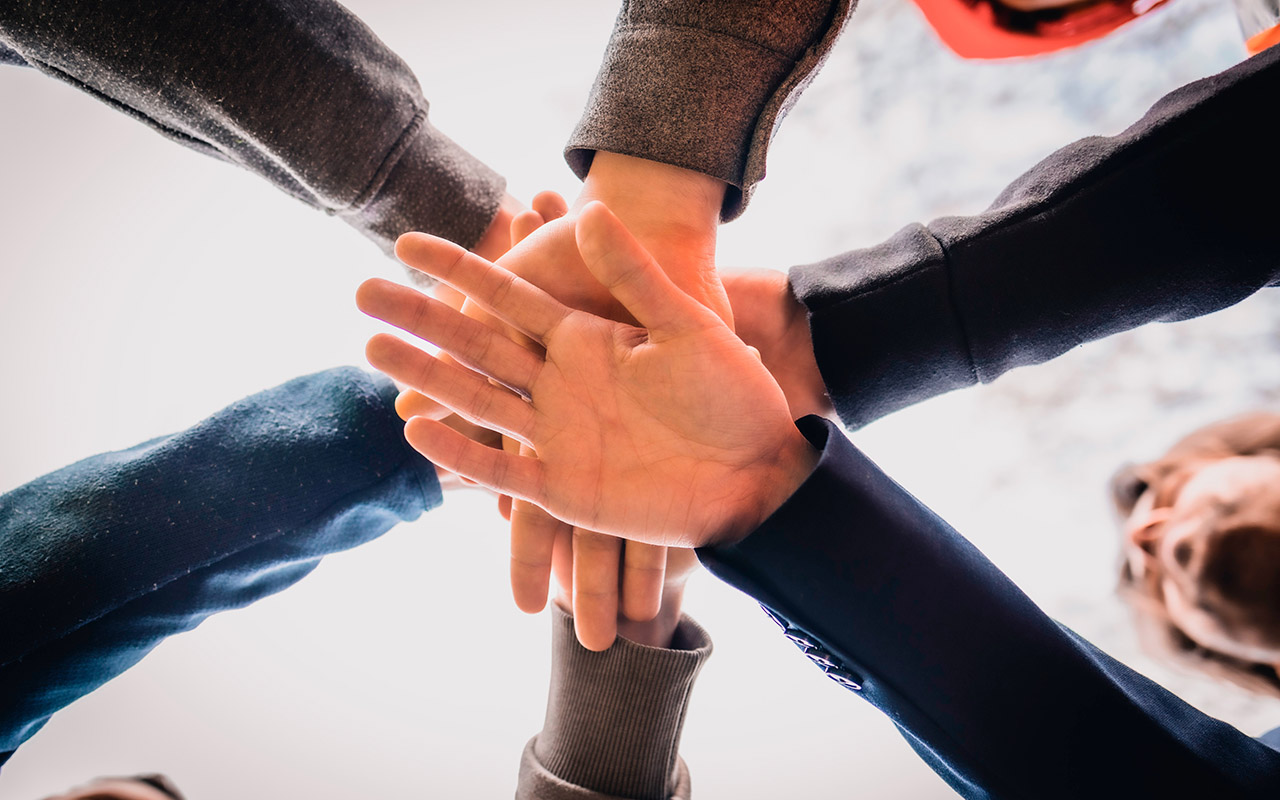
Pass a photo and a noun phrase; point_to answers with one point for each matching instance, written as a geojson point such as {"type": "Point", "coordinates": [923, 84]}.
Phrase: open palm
{"type": "Point", "coordinates": [670, 433]}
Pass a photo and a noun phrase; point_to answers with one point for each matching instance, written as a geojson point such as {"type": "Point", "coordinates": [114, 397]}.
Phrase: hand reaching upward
{"type": "Point", "coordinates": [672, 433]}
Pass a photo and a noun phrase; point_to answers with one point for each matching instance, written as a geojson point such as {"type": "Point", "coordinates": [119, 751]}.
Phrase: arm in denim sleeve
{"type": "Point", "coordinates": [1171, 219]}
{"type": "Point", "coordinates": [999, 699]}
{"type": "Point", "coordinates": [102, 560]}
{"type": "Point", "coordinates": [298, 91]}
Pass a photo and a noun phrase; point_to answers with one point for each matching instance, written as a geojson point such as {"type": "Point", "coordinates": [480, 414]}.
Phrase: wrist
{"type": "Point", "coordinates": [796, 460]}
{"type": "Point", "coordinates": [673, 212]}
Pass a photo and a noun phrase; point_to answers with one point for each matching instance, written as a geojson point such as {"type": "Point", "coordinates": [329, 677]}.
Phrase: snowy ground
{"type": "Point", "coordinates": [144, 287]}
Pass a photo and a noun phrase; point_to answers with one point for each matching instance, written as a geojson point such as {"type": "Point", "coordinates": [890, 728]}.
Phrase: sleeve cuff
{"type": "Point", "coordinates": [614, 718]}
{"type": "Point", "coordinates": [886, 333]}
{"type": "Point", "coordinates": [685, 94]}
{"type": "Point", "coordinates": [427, 183]}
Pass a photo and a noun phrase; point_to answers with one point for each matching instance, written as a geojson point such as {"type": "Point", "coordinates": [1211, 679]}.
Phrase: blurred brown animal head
{"type": "Point", "coordinates": [1202, 548]}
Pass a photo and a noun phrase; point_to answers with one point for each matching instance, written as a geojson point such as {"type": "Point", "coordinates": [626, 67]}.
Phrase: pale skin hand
{"type": "Point", "coordinates": [675, 213]}
{"type": "Point", "coordinates": [597, 575]}
{"type": "Point", "coordinates": [672, 434]}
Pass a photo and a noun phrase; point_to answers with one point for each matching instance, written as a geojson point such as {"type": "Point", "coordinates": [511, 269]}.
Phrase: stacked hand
{"type": "Point", "coordinates": [671, 433]}
{"type": "Point", "coordinates": [602, 579]}
{"type": "Point", "coordinates": [608, 582]}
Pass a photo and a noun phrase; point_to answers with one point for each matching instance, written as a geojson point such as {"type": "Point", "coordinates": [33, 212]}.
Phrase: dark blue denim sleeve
{"type": "Point", "coordinates": [999, 699]}
{"type": "Point", "coordinates": [102, 560]}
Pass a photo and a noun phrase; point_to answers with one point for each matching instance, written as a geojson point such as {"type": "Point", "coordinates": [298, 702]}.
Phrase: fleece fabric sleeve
{"type": "Point", "coordinates": [102, 560]}
{"type": "Point", "coordinates": [614, 718]}
{"type": "Point", "coordinates": [298, 91]}
{"type": "Point", "coordinates": [704, 86]}
{"type": "Point", "coordinates": [998, 698]}
{"type": "Point", "coordinates": [1171, 219]}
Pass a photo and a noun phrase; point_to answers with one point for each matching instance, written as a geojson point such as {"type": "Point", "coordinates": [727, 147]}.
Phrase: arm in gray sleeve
{"type": "Point", "coordinates": [1171, 219]}
{"type": "Point", "coordinates": [298, 91]}
{"type": "Point", "coordinates": [614, 718]}
{"type": "Point", "coordinates": [703, 86]}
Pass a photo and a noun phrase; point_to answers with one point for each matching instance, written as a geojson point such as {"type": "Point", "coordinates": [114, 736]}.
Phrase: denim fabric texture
{"type": "Point", "coordinates": [104, 559]}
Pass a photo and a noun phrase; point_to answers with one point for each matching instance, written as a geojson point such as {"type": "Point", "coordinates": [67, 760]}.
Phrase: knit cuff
{"type": "Point", "coordinates": [885, 331]}
{"type": "Point", "coordinates": [614, 718]}
{"type": "Point", "coordinates": [704, 88]}
{"type": "Point", "coordinates": [427, 183]}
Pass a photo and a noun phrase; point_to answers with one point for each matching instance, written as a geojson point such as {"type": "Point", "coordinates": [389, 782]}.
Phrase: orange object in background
{"type": "Point", "coordinates": [990, 29]}
{"type": "Point", "coordinates": [1259, 22]}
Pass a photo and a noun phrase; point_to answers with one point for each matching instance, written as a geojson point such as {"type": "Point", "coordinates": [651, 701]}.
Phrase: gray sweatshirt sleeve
{"type": "Point", "coordinates": [614, 719]}
{"type": "Point", "coordinates": [704, 86]}
{"type": "Point", "coordinates": [298, 91]}
{"type": "Point", "coordinates": [1171, 219]}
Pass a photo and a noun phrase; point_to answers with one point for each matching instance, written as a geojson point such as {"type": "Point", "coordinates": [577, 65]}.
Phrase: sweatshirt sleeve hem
{"type": "Point", "coordinates": [698, 99]}
{"type": "Point", "coordinates": [886, 333]}
{"type": "Point", "coordinates": [614, 718]}
{"type": "Point", "coordinates": [427, 183]}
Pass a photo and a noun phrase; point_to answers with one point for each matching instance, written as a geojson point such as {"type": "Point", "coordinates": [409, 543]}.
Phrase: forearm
{"type": "Point", "coordinates": [703, 86]}
{"type": "Point", "coordinates": [301, 93]}
{"type": "Point", "coordinates": [896, 605]}
{"type": "Point", "coordinates": [105, 558]}
{"type": "Point", "coordinates": [614, 718]}
{"type": "Point", "coordinates": [1158, 224]}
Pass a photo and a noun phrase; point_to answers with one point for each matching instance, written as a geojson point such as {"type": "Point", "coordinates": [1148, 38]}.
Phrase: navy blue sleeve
{"type": "Point", "coordinates": [997, 697]}
{"type": "Point", "coordinates": [102, 560]}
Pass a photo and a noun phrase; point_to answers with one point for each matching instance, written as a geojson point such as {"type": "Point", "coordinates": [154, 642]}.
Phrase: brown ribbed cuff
{"type": "Point", "coordinates": [614, 718]}
{"type": "Point", "coordinates": [430, 184]}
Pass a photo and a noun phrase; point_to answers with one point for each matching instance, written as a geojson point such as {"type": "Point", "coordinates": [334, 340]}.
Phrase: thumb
{"type": "Point", "coordinates": [631, 275]}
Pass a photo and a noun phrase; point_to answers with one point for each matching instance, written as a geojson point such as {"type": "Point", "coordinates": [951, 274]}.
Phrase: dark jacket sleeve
{"type": "Point", "coordinates": [1171, 219]}
{"type": "Point", "coordinates": [102, 560]}
{"type": "Point", "coordinates": [298, 91]}
{"type": "Point", "coordinates": [999, 699]}
{"type": "Point", "coordinates": [704, 86]}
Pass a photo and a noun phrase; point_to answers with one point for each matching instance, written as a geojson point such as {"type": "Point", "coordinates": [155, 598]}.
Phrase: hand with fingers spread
{"type": "Point", "coordinates": [616, 581]}
{"type": "Point", "coordinates": [672, 433]}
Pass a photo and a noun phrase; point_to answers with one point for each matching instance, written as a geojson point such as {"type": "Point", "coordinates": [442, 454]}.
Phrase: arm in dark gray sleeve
{"type": "Point", "coordinates": [614, 718]}
{"type": "Point", "coordinates": [299, 92]}
{"type": "Point", "coordinates": [104, 559]}
{"type": "Point", "coordinates": [1171, 219]}
{"type": "Point", "coordinates": [704, 86]}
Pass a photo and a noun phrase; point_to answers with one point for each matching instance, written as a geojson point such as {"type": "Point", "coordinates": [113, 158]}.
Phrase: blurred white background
{"type": "Point", "coordinates": [145, 286]}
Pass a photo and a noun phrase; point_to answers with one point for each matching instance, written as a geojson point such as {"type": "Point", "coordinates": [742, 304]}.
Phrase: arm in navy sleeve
{"type": "Point", "coordinates": [997, 697]}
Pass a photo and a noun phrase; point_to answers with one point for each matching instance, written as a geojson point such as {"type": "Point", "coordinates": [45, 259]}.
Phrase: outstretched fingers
{"type": "Point", "coordinates": [469, 342]}
{"type": "Point", "coordinates": [501, 293]}
{"type": "Point", "coordinates": [518, 476]}
{"type": "Point", "coordinates": [465, 392]}
{"type": "Point", "coordinates": [637, 281]}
